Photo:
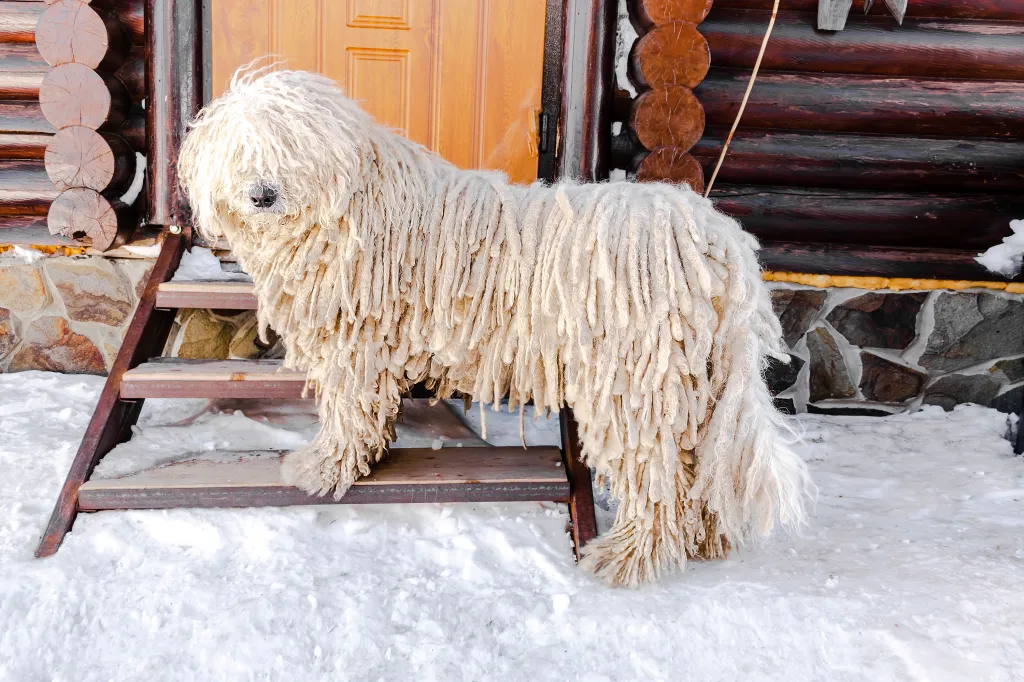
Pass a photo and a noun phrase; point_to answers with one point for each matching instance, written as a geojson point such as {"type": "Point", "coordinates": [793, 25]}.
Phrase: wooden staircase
{"type": "Point", "coordinates": [252, 479]}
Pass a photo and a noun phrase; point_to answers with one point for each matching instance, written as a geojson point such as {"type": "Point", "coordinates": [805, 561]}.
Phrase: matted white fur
{"type": "Point", "coordinates": [382, 265]}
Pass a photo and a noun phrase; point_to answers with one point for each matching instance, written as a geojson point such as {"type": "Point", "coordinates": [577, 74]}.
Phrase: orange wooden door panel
{"type": "Point", "coordinates": [461, 77]}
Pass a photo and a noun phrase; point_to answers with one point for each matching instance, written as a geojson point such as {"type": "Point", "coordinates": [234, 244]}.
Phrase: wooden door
{"type": "Point", "coordinates": [461, 77]}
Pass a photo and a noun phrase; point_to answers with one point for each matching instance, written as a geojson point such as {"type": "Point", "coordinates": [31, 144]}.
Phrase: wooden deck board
{"type": "Point", "coordinates": [411, 475]}
{"type": "Point", "coordinates": [178, 378]}
{"type": "Point", "coordinates": [218, 295]}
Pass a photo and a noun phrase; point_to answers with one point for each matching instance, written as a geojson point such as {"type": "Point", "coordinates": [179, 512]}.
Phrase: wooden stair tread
{"type": "Point", "coordinates": [181, 378]}
{"type": "Point", "coordinates": [408, 475]}
{"type": "Point", "coordinates": [223, 295]}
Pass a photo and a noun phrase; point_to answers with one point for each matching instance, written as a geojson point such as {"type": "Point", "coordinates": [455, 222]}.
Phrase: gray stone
{"type": "Point", "coordinates": [22, 288]}
{"type": "Point", "coordinates": [829, 376]}
{"type": "Point", "coordinates": [878, 320]}
{"type": "Point", "coordinates": [885, 381]}
{"type": "Point", "coordinates": [51, 345]}
{"type": "Point", "coordinates": [91, 289]}
{"type": "Point", "coordinates": [1010, 402]}
{"type": "Point", "coordinates": [779, 376]}
{"type": "Point", "coordinates": [8, 333]}
{"type": "Point", "coordinates": [796, 309]}
{"type": "Point", "coordinates": [1010, 371]}
{"type": "Point", "coordinates": [971, 328]}
{"type": "Point", "coordinates": [957, 389]}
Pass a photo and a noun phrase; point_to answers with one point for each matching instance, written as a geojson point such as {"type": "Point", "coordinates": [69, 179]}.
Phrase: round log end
{"type": "Point", "coordinates": [657, 12]}
{"type": "Point", "coordinates": [671, 164]}
{"type": "Point", "coordinates": [672, 54]}
{"type": "Point", "coordinates": [81, 157]}
{"type": "Point", "coordinates": [75, 95]}
{"type": "Point", "coordinates": [71, 31]}
{"type": "Point", "coordinates": [85, 214]}
{"type": "Point", "coordinates": [669, 116]}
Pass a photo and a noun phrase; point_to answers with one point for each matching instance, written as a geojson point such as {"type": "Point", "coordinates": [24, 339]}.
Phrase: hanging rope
{"type": "Point", "coordinates": [746, 96]}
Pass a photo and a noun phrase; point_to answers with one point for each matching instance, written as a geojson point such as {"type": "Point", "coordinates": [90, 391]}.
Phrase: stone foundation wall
{"type": "Point", "coordinates": [863, 352]}
{"type": "Point", "coordinates": [854, 351]}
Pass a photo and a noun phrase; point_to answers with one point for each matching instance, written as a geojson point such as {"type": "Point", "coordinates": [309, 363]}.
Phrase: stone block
{"type": "Point", "coordinates": [50, 344]}
{"type": "Point", "coordinates": [1010, 371]}
{"type": "Point", "coordinates": [1010, 402]}
{"type": "Point", "coordinates": [878, 320]}
{"type": "Point", "coordinates": [204, 337]}
{"type": "Point", "coordinates": [885, 381]}
{"type": "Point", "coordinates": [136, 271]}
{"type": "Point", "coordinates": [830, 377]}
{"type": "Point", "coordinates": [8, 333]}
{"type": "Point", "coordinates": [956, 389]}
{"type": "Point", "coordinates": [22, 288]}
{"type": "Point", "coordinates": [780, 376]}
{"type": "Point", "coordinates": [91, 289]}
{"type": "Point", "coordinates": [796, 309]}
{"type": "Point", "coordinates": [972, 328]}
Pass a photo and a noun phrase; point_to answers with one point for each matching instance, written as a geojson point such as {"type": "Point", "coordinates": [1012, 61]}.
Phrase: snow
{"type": "Point", "coordinates": [911, 569]}
{"type": "Point", "coordinates": [1006, 258]}
{"type": "Point", "coordinates": [625, 36]}
{"type": "Point", "coordinates": [201, 265]}
{"type": "Point", "coordinates": [133, 191]}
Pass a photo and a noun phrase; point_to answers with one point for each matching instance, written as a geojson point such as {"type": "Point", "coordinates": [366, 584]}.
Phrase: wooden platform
{"type": "Point", "coordinates": [478, 474]}
{"type": "Point", "coordinates": [178, 378]}
{"type": "Point", "coordinates": [222, 295]}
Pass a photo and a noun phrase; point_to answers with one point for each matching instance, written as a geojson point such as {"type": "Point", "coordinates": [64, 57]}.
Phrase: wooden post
{"type": "Point", "coordinates": [174, 91]}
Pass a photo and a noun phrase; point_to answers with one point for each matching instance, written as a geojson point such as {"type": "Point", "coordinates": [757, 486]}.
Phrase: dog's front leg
{"type": "Point", "coordinates": [354, 431]}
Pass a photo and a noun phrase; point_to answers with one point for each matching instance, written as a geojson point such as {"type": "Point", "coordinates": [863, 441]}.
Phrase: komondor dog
{"type": "Point", "coordinates": [381, 265]}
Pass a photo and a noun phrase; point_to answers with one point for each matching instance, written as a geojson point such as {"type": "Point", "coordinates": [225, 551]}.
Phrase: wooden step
{"type": "Point", "coordinates": [474, 474]}
{"type": "Point", "coordinates": [219, 295]}
{"type": "Point", "coordinates": [179, 378]}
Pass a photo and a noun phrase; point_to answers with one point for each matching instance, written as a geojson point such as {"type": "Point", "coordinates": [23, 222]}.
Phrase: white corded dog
{"type": "Point", "coordinates": [381, 265]}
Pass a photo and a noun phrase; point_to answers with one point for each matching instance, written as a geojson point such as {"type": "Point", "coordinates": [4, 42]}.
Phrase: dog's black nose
{"type": "Point", "coordinates": [263, 196]}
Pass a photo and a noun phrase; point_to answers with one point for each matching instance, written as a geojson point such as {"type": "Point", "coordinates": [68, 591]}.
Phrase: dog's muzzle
{"type": "Point", "coordinates": [263, 197]}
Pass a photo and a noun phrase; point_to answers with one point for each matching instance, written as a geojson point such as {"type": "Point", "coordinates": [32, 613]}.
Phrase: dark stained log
{"type": "Point", "coordinates": [588, 55]}
{"type": "Point", "coordinates": [626, 152]}
{"type": "Point", "coordinates": [18, 21]}
{"type": "Point", "coordinates": [672, 54]}
{"type": "Point", "coordinates": [878, 261]}
{"type": "Point", "coordinates": [24, 189]}
{"type": "Point", "coordinates": [131, 14]}
{"type": "Point", "coordinates": [671, 164]}
{"type": "Point", "coordinates": [20, 85]}
{"type": "Point", "coordinates": [73, 94]}
{"type": "Point", "coordinates": [133, 74]}
{"type": "Point", "coordinates": [1012, 10]}
{"type": "Point", "coordinates": [941, 49]}
{"type": "Point", "coordinates": [72, 31]}
{"type": "Point", "coordinates": [877, 218]}
{"type": "Point", "coordinates": [23, 145]}
{"type": "Point", "coordinates": [669, 116]}
{"type": "Point", "coordinates": [21, 57]}
{"type": "Point", "coordinates": [652, 13]}
{"type": "Point", "coordinates": [27, 117]}
{"type": "Point", "coordinates": [866, 161]}
{"type": "Point", "coordinates": [80, 157]}
{"type": "Point", "coordinates": [174, 74]}
{"type": "Point", "coordinates": [82, 213]}
{"type": "Point", "coordinates": [22, 222]}
{"type": "Point", "coordinates": [621, 106]}
{"type": "Point", "coordinates": [868, 104]}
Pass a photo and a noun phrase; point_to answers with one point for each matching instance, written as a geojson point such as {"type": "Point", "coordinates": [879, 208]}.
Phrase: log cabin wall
{"type": "Point", "coordinates": [26, 189]}
{"type": "Point", "coordinates": [877, 150]}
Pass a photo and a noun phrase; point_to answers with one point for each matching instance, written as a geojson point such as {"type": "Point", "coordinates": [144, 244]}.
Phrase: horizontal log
{"type": "Point", "coordinates": [1012, 10]}
{"type": "Point", "coordinates": [865, 161]}
{"type": "Point", "coordinates": [874, 261]}
{"type": "Point", "coordinates": [80, 157]}
{"type": "Point", "coordinates": [130, 13]}
{"type": "Point", "coordinates": [652, 13]}
{"type": "Point", "coordinates": [18, 21]}
{"type": "Point", "coordinates": [27, 118]}
{"type": "Point", "coordinates": [20, 85]}
{"type": "Point", "coordinates": [22, 57]}
{"type": "Point", "coordinates": [73, 94]}
{"type": "Point", "coordinates": [669, 116]}
{"type": "Point", "coordinates": [23, 145]}
{"type": "Point", "coordinates": [24, 189]}
{"type": "Point", "coordinates": [866, 104]}
{"type": "Point", "coordinates": [73, 31]}
{"type": "Point", "coordinates": [876, 218]}
{"type": "Point", "coordinates": [101, 221]}
{"type": "Point", "coordinates": [672, 54]}
{"type": "Point", "coordinates": [22, 71]}
{"type": "Point", "coordinates": [920, 48]}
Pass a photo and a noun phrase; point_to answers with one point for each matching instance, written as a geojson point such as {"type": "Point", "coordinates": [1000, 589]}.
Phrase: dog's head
{"type": "Point", "coordinates": [278, 148]}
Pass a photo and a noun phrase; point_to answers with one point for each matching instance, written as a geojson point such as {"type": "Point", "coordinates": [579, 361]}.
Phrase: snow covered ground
{"type": "Point", "coordinates": [913, 569]}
